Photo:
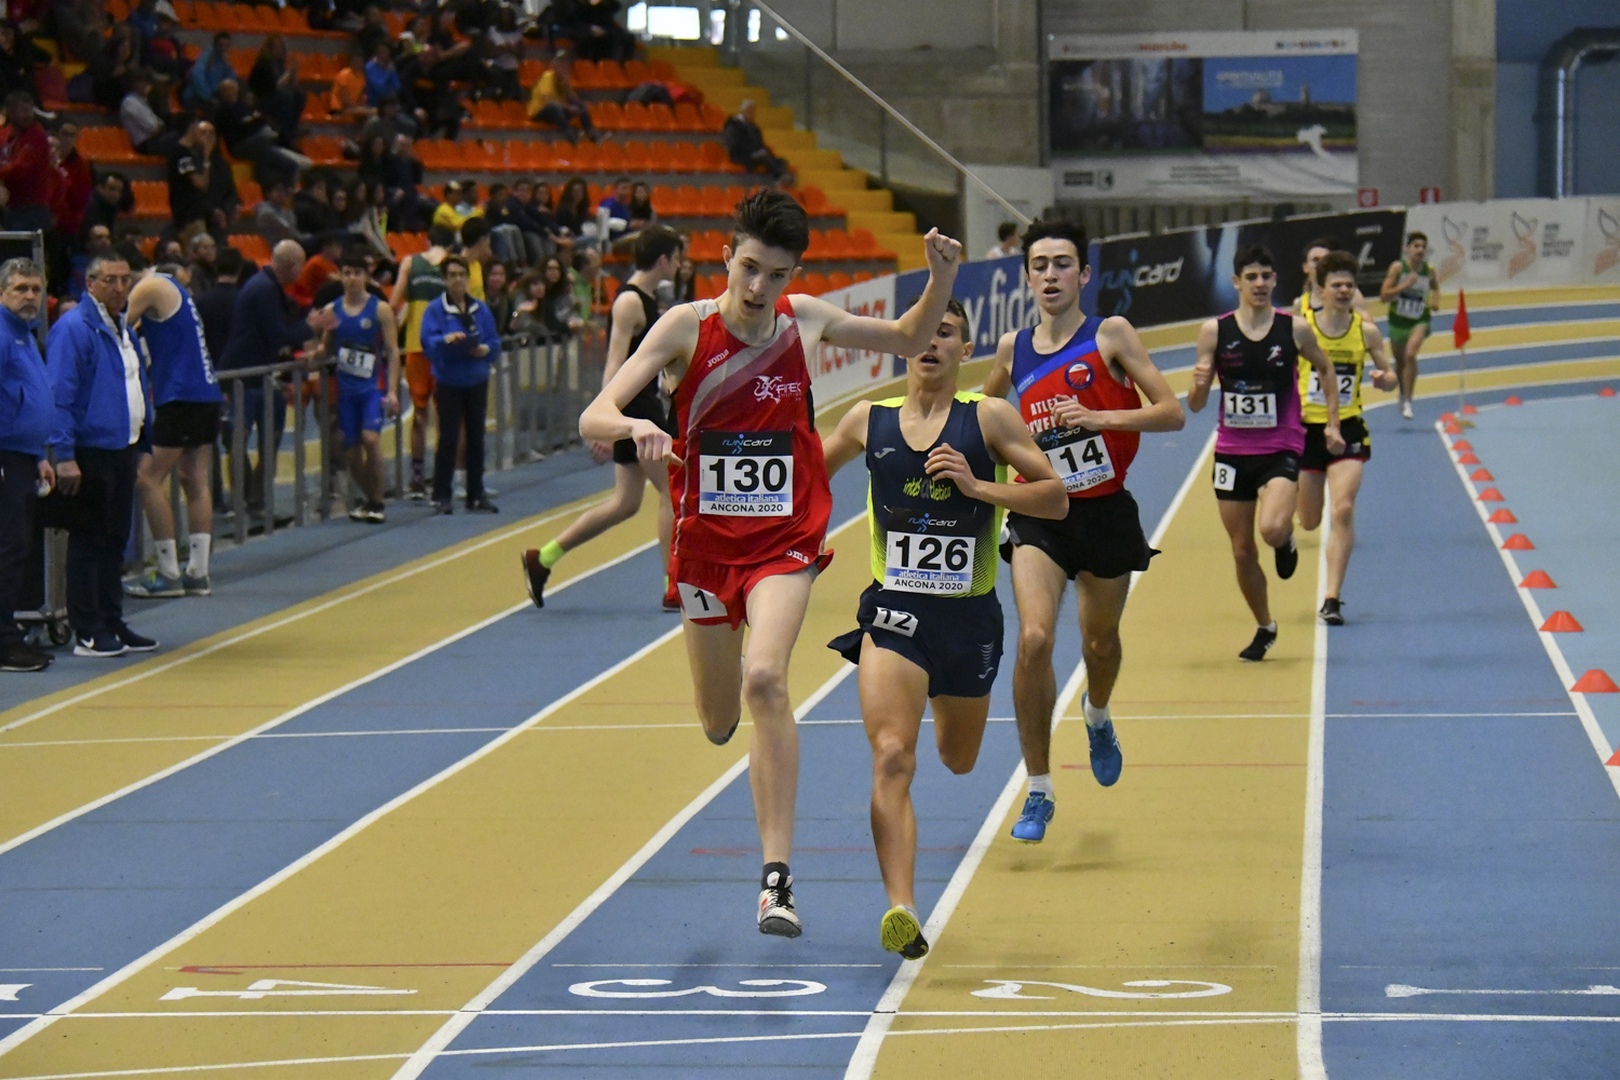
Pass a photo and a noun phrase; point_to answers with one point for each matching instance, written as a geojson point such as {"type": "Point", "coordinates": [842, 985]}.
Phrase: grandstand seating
{"type": "Point", "coordinates": [674, 149]}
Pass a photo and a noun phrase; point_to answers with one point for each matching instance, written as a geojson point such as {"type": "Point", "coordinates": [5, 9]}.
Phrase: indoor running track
{"type": "Point", "coordinates": [378, 817]}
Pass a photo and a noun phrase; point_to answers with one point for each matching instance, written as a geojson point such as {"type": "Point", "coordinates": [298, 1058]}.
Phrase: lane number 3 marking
{"type": "Point", "coordinates": [651, 988]}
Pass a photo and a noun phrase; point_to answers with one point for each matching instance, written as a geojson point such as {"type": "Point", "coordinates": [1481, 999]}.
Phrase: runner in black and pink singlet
{"type": "Point", "coordinates": [1254, 352]}
{"type": "Point", "coordinates": [749, 484]}
{"type": "Point", "coordinates": [1080, 382]}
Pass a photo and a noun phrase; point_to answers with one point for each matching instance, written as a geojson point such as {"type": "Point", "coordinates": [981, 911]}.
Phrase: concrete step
{"type": "Point", "coordinates": [834, 181]}
{"type": "Point", "coordinates": [811, 160]}
{"type": "Point", "coordinates": [907, 248]}
{"type": "Point", "coordinates": [685, 55]}
{"type": "Point", "coordinates": [882, 221]}
{"type": "Point", "coordinates": [872, 199]}
{"type": "Point", "coordinates": [712, 79]}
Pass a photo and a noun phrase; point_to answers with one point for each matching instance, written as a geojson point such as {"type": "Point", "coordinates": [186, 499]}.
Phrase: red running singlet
{"type": "Point", "coordinates": [749, 481]}
{"type": "Point", "coordinates": [1089, 463]}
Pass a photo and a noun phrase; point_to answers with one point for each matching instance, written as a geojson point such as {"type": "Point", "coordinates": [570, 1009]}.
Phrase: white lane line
{"type": "Point", "coordinates": [1549, 641]}
{"type": "Point", "coordinates": [18, 1037]}
{"type": "Point", "coordinates": [1308, 1033]}
{"type": "Point", "coordinates": [236, 639]}
{"type": "Point", "coordinates": [313, 703]}
{"type": "Point", "coordinates": [1106, 1021]}
{"type": "Point", "coordinates": [438, 1043]}
{"type": "Point", "coordinates": [864, 1059]}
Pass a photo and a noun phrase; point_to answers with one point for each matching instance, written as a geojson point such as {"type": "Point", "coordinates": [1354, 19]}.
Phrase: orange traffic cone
{"type": "Point", "coordinates": [1469, 410]}
{"type": "Point", "coordinates": [1607, 391]}
{"type": "Point", "coordinates": [1480, 476]}
{"type": "Point", "coordinates": [1492, 495]}
{"type": "Point", "coordinates": [1468, 459]}
{"type": "Point", "coordinates": [1596, 681]}
{"type": "Point", "coordinates": [1537, 579]}
{"type": "Point", "coordinates": [1561, 622]}
{"type": "Point", "coordinates": [1452, 428]}
{"type": "Point", "coordinates": [1461, 445]}
{"type": "Point", "coordinates": [1518, 542]}
{"type": "Point", "coordinates": [1513, 399]}
{"type": "Point", "coordinates": [1503, 516]}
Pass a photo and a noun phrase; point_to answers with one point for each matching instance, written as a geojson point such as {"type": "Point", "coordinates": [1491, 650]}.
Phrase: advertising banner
{"type": "Point", "coordinates": [1187, 274]}
{"type": "Point", "coordinates": [1203, 115]}
{"type": "Point", "coordinates": [1512, 241]}
{"type": "Point", "coordinates": [837, 373]}
{"type": "Point", "coordinates": [1602, 262]}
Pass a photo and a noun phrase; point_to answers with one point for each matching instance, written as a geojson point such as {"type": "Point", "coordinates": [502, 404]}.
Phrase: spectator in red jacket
{"type": "Point", "coordinates": [25, 166]}
{"type": "Point", "coordinates": [75, 179]}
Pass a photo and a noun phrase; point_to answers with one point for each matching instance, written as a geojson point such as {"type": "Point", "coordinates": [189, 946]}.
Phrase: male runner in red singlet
{"type": "Point", "coordinates": [749, 485]}
{"type": "Point", "coordinates": [1077, 379]}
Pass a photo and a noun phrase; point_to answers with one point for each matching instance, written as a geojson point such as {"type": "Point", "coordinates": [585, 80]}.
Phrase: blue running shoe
{"type": "Point", "coordinates": [1030, 828]}
{"type": "Point", "coordinates": [1106, 760]}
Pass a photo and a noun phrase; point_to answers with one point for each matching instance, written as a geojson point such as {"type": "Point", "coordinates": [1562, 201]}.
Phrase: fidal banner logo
{"type": "Point", "coordinates": [1608, 256]}
{"type": "Point", "coordinates": [1524, 233]}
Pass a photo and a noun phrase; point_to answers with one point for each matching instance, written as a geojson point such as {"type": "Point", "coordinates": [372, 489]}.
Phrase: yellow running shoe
{"type": "Point", "coordinates": [902, 933]}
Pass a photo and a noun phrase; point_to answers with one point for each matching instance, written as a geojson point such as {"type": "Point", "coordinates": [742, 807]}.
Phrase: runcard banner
{"type": "Point", "coordinates": [1203, 115]}
{"type": "Point", "coordinates": [994, 292]}
{"type": "Point", "coordinates": [1187, 274]}
{"type": "Point", "coordinates": [1521, 241]}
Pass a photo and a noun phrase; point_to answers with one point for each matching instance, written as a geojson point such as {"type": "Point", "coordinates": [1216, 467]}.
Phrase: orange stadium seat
{"type": "Point", "coordinates": [151, 198]}
{"type": "Point", "coordinates": [249, 192]}
{"type": "Point", "coordinates": [815, 284]}
{"type": "Point", "coordinates": [683, 157]}
{"type": "Point", "coordinates": [688, 117]}
{"type": "Point", "coordinates": [323, 149]}
{"type": "Point", "coordinates": [607, 115]}
{"type": "Point", "coordinates": [251, 245]}
{"type": "Point", "coordinates": [660, 117]}
{"type": "Point", "coordinates": [107, 145]}
{"type": "Point", "coordinates": [839, 280]}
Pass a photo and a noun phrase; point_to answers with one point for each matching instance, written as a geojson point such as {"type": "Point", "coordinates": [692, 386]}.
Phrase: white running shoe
{"type": "Point", "coordinates": [1406, 410]}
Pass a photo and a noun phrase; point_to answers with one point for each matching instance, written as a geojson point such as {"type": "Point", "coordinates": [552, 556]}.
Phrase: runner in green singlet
{"type": "Point", "coordinates": [1412, 291]}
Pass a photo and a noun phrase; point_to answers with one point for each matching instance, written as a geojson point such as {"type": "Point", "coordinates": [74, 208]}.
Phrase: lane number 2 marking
{"type": "Point", "coordinates": [1139, 990]}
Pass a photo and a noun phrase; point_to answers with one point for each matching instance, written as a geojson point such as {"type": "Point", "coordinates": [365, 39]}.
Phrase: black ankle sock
{"type": "Point", "coordinates": [775, 875]}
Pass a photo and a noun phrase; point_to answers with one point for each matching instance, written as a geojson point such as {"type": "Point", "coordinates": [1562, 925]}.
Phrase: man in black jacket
{"type": "Point", "coordinates": [745, 143]}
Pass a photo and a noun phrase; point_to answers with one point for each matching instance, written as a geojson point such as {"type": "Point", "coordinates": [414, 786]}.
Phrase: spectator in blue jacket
{"type": "Point", "coordinates": [210, 69]}
{"type": "Point", "coordinates": [264, 324]}
{"type": "Point", "coordinates": [382, 78]}
{"type": "Point", "coordinates": [461, 342]}
{"type": "Point", "coordinates": [103, 404]}
{"type": "Point", "coordinates": [26, 413]}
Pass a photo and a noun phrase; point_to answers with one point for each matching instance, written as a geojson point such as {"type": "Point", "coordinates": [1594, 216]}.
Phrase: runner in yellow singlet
{"type": "Point", "coordinates": [1349, 339]}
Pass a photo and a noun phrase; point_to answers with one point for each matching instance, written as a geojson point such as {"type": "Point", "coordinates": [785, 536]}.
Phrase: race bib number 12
{"type": "Point", "coordinates": [1347, 389]}
{"type": "Point", "coordinates": [745, 473]}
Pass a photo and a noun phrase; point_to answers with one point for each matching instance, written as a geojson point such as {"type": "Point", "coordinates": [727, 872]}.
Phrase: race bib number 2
{"type": "Point", "coordinates": [1249, 410]}
{"type": "Point", "coordinates": [1081, 461]}
{"type": "Point", "coordinates": [745, 473]}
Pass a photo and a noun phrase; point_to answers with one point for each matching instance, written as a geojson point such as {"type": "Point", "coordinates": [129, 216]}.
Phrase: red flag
{"type": "Point", "coordinates": [1459, 326]}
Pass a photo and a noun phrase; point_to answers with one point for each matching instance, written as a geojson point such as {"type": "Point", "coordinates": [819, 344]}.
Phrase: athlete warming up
{"type": "Point", "coordinates": [1077, 380]}
{"type": "Point", "coordinates": [929, 631]}
{"type": "Point", "coordinates": [1412, 290]}
{"type": "Point", "coordinates": [1349, 340]}
{"type": "Point", "coordinates": [635, 309]}
{"type": "Point", "coordinates": [1255, 351]}
{"type": "Point", "coordinates": [365, 343]}
{"type": "Point", "coordinates": [749, 484]}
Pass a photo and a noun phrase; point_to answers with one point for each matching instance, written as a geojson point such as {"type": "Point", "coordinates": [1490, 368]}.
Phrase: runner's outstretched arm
{"type": "Point", "coordinates": [1204, 369]}
{"type": "Point", "coordinates": [670, 341]}
{"type": "Point", "coordinates": [848, 440]}
{"type": "Point", "coordinates": [1384, 376]}
{"type": "Point", "coordinates": [907, 335]}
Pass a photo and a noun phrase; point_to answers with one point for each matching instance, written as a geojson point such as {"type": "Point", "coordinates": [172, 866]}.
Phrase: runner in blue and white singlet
{"type": "Point", "coordinates": [365, 347]}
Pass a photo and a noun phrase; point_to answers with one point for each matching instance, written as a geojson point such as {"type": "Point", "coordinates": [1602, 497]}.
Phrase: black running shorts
{"type": "Point", "coordinates": [643, 406]}
{"type": "Point", "coordinates": [1100, 536]}
{"type": "Point", "coordinates": [186, 424]}
{"type": "Point", "coordinates": [1239, 477]}
{"type": "Point", "coordinates": [1357, 444]}
{"type": "Point", "coordinates": [955, 639]}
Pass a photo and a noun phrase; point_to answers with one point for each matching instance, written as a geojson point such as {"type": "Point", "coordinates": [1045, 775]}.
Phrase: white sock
{"type": "Point", "coordinates": [201, 544]}
{"type": "Point", "coordinates": [1042, 784]}
{"type": "Point", "coordinates": [1270, 627]}
{"type": "Point", "coordinates": [168, 558]}
{"type": "Point", "coordinates": [460, 478]}
{"type": "Point", "coordinates": [1095, 717]}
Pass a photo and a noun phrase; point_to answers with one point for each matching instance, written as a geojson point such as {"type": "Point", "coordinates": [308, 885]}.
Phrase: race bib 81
{"type": "Point", "coordinates": [360, 363]}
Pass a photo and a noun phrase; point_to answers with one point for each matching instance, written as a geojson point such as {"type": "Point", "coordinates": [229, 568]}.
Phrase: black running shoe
{"type": "Point", "coordinates": [776, 914]}
{"type": "Point", "coordinates": [1331, 613]}
{"type": "Point", "coordinates": [17, 656]}
{"type": "Point", "coordinates": [1263, 641]}
{"type": "Point", "coordinates": [536, 573]}
{"type": "Point", "coordinates": [1287, 560]}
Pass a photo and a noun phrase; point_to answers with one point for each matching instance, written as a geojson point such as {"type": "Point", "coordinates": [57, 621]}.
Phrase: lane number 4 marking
{"type": "Point", "coordinates": [272, 988]}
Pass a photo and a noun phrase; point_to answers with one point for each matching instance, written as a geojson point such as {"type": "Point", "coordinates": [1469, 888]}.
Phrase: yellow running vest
{"type": "Point", "coordinates": [1349, 355]}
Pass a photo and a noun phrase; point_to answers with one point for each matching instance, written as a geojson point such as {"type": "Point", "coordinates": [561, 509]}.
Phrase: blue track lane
{"type": "Point", "coordinates": [688, 916]}
{"type": "Point", "coordinates": [1465, 853]}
